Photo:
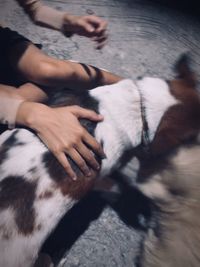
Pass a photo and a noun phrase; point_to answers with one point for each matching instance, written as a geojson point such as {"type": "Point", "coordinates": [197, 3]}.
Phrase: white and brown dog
{"type": "Point", "coordinates": [150, 113]}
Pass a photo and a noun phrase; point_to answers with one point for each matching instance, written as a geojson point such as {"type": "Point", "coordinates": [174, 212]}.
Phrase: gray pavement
{"type": "Point", "coordinates": [145, 39]}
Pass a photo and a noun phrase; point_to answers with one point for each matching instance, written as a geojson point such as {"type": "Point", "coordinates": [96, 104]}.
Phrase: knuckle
{"type": "Point", "coordinates": [76, 140]}
{"type": "Point", "coordinates": [67, 168]}
{"type": "Point", "coordinates": [67, 147]}
{"type": "Point", "coordinates": [82, 165]}
{"type": "Point", "coordinates": [91, 159]}
{"type": "Point", "coordinates": [97, 146]}
{"type": "Point", "coordinates": [92, 113]}
{"type": "Point", "coordinates": [81, 132]}
{"type": "Point", "coordinates": [56, 149]}
{"type": "Point", "coordinates": [78, 134]}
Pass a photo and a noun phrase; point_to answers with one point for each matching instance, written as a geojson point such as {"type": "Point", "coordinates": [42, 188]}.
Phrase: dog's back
{"type": "Point", "coordinates": [34, 190]}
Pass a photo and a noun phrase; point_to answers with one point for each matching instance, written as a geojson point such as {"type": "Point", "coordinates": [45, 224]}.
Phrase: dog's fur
{"type": "Point", "coordinates": [173, 238]}
{"type": "Point", "coordinates": [35, 191]}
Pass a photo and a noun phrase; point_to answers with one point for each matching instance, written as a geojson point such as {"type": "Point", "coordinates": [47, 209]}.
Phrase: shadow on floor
{"type": "Point", "coordinates": [185, 6]}
{"type": "Point", "coordinates": [129, 206]}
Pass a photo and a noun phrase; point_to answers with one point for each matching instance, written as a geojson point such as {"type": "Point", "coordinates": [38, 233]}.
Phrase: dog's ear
{"type": "Point", "coordinates": [184, 72]}
{"type": "Point", "coordinates": [180, 124]}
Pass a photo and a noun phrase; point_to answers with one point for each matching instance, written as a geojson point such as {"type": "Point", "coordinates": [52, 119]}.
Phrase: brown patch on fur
{"type": "Point", "coordinates": [19, 195]}
{"type": "Point", "coordinates": [75, 189]}
{"type": "Point", "coordinates": [181, 122]}
{"type": "Point", "coordinates": [45, 195]}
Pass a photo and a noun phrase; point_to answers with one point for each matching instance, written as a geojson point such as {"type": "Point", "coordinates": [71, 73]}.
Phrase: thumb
{"type": "Point", "coordinates": [80, 112]}
{"type": "Point", "coordinates": [88, 27]}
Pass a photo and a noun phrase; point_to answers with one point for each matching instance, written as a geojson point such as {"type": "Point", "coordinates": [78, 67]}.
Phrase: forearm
{"type": "Point", "coordinates": [87, 25]}
{"type": "Point", "coordinates": [91, 77]}
{"type": "Point", "coordinates": [42, 14]}
{"type": "Point", "coordinates": [75, 75]}
{"type": "Point", "coordinates": [31, 92]}
{"type": "Point", "coordinates": [12, 98]}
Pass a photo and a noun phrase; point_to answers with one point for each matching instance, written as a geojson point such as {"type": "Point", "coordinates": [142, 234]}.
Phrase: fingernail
{"type": "Point", "coordinates": [97, 167]}
{"type": "Point", "coordinates": [74, 178]}
{"type": "Point", "coordinates": [100, 116]}
{"type": "Point", "coordinates": [88, 174]}
{"type": "Point", "coordinates": [91, 30]}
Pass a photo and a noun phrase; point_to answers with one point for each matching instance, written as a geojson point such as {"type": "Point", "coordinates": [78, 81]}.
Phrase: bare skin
{"type": "Point", "coordinates": [34, 65]}
{"type": "Point", "coordinates": [58, 128]}
{"type": "Point", "coordinates": [90, 26]}
{"type": "Point", "coordinates": [62, 133]}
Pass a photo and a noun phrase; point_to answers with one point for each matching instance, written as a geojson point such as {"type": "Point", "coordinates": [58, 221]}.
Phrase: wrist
{"type": "Point", "coordinates": [49, 17]}
{"type": "Point", "coordinates": [68, 27]}
{"type": "Point", "coordinates": [27, 114]}
{"type": "Point", "coordinates": [8, 108]}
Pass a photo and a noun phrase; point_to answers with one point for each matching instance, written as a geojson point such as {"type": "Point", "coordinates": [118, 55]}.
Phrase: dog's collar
{"type": "Point", "coordinates": [145, 139]}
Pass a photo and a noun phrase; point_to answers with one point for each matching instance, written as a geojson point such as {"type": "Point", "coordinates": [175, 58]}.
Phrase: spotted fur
{"type": "Point", "coordinates": [35, 191]}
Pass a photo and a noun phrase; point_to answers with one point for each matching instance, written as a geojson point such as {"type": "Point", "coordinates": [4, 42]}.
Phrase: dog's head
{"type": "Point", "coordinates": [181, 122]}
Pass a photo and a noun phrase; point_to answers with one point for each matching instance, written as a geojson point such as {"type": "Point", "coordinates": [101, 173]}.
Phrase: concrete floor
{"type": "Point", "coordinates": [145, 39]}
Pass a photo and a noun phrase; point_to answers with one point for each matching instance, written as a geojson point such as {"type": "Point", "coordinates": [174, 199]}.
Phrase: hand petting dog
{"type": "Point", "coordinates": [61, 132]}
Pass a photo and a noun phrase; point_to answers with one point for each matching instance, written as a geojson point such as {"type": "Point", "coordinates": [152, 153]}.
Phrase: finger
{"type": "Point", "coordinates": [100, 34]}
{"type": "Point", "coordinates": [102, 44]}
{"type": "Point", "coordinates": [99, 23]}
{"type": "Point", "coordinates": [100, 37]}
{"type": "Point", "coordinates": [93, 144]}
{"type": "Point", "coordinates": [102, 27]}
{"type": "Point", "coordinates": [88, 156]}
{"type": "Point", "coordinates": [61, 157]}
{"type": "Point", "coordinates": [100, 41]}
{"type": "Point", "coordinates": [86, 113]}
{"type": "Point", "coordinates": [99, 46]}
{"type": "Point", "coordinates": [88, 27]}
{"type": "Point", "coordinates": [79, 161]}
{"type": "Point", "coordinates": [99, 26]}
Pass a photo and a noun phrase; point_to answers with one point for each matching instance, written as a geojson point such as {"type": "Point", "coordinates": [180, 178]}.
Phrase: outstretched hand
{"type": "Point", "coordinates": [62, 133]}
{"type": "Point", "coordinates": [89, 26]}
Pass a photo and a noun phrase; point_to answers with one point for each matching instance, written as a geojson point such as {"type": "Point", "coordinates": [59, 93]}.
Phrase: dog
{"type": "Point", "coordinates": [172, 238]}
{"type": "Point", "coordinates": [148, 118]}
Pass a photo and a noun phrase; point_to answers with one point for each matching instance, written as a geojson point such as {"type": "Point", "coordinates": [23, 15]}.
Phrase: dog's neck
{"type": "Point", "coordinates": [122, 127]}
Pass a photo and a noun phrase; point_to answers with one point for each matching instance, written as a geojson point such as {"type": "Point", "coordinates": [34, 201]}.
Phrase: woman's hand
{"type": "Point", "coordinates": [62, 133]}
{"type": "Point", "coordinates": [89, 26]}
